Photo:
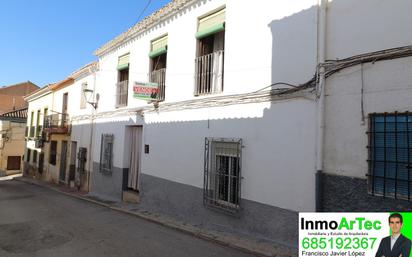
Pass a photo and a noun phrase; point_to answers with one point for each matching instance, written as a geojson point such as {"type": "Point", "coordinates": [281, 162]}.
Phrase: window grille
{"type": "Point", "coordinates": [106, 154]}
{"type": "Point", "coordinates": [390, 141]}
{"type": "Point", "coordinates": [82, 158]}
{"type": "Point", "coordinates": [222, 174]}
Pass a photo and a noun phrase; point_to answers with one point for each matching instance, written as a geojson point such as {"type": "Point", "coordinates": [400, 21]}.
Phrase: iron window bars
{"type": "Point", "coordinates": [222, 174]}
{"type": "Point", "coordinates": [106, 154]}
{"type": "Point", "coordinates": [390, 141]}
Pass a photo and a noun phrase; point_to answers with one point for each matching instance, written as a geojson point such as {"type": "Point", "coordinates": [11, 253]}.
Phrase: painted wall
{"type": "Point", "coordinates": [257, 53]}
{"type": "Point", "coordinates": [387, 87]}
{"type": "Point", "coordinates": [278, 148]}
{"type": "Point", "coordinates": [386, 84]}
{"type": "Point", "coordinates": [13, 146]}
{"type": "Point", "coordinates": [355, 27]}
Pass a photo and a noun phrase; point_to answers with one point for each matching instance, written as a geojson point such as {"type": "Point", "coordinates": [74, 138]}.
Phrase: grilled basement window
{"type": "Point", "coordinates": [390, 141]}
{"type": "Point", "coordinates": [222, 174]}
{"type": "Point", "coordinates": [106, 153]}
{"type": "Point", "coordinates": [53, 152]}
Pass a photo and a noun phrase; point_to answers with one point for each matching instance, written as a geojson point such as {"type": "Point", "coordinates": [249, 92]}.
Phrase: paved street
{"type": "Point", "coordinates": [36, 221]}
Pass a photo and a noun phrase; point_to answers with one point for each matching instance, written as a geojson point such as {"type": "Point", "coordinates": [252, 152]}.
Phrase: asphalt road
{"type": "Point", "coordinates": [36, 221]}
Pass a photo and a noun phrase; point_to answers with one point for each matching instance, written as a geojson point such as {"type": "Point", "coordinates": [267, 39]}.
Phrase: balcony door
{"type": "Point", "coordinates": [64, 108]}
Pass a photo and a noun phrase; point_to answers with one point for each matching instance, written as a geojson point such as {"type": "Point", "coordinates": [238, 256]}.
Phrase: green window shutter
{"type": "Point", "coordinates": [211, 24]}
{"type": "Point", "coordinates": [123, 62]}
{"type": "Point", "coordinates": [158, 47]}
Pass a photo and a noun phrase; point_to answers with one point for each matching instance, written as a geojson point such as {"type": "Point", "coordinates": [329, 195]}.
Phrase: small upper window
{"type": "Point", "coordinates": [83, 96]}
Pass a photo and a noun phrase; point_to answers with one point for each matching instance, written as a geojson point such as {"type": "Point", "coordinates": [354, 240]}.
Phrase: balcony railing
{"type": "Point", "coordinates": [38, 130]}
{"type": "Point", "coordinates": [159, 77]}
{"type": "Point", "coordinates": [209, 73]}
{"type": "Point", "coordinates": [57, 124]}
{"type": "Point", "coordinates": [121, 93]}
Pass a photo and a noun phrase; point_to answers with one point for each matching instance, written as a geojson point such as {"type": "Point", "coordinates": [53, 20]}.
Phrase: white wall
{"type": "Point", "coordinates": [387, 88]}
{"type": "Point", "coordinates": [277, 158]}
{"type": "Point", "coordinates": [356, 27]}
{"type": "Point", "coordinates": [264, 43]}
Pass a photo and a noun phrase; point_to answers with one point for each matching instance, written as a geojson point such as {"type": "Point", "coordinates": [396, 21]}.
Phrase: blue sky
{"type": "Point", "coordinates": [45, 40]}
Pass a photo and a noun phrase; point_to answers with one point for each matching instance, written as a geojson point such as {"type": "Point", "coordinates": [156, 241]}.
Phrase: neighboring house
{"type": "Point", "coordinates": [51, 151]}
{"type": "Point", "coordinates": [12, 129]}
{"type": "Point", "coordinates": [368, 132]}
{"type": "Point", "coordinates": [11, 97]}
{"type": "Point", "coordinates": [236, 116]}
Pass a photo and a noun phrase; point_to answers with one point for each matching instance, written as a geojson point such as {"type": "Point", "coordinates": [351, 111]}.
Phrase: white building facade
{"type": "Point", "coordinates": [236, 116]}
{"type": "Point", "coordinates": [219, 146]}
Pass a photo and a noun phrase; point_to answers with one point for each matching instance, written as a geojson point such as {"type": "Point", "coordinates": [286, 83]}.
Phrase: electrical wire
{"type": "Point", "coordinates": [144, 9]}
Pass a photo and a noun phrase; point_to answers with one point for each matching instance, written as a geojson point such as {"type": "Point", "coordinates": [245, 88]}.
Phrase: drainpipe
{"type": "Point", "coordinates": [321, 101]}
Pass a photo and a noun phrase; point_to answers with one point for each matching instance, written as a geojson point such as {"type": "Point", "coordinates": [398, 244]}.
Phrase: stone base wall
{"type": "Point", "coordinates": [341, 193]}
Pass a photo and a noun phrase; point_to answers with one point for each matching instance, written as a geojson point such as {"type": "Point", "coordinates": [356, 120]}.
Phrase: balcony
{"type": "Point", "coordinates": [159, 77]}
{"type": "Point", "coordinates": [121, 93]}
{"type": "Point", "coordinates": [209, 73]}
{"type": "Point", "coordinates": [57, 124]}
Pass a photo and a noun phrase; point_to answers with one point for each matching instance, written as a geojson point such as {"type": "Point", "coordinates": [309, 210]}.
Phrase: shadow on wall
{"type": "Point", "coordinates": [278, 151]}
{"type": "Point", "coordinates": [294, 47]}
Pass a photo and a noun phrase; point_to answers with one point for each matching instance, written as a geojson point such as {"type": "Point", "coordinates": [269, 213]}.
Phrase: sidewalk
{"type": "Point", "coordinates": [256, 247]}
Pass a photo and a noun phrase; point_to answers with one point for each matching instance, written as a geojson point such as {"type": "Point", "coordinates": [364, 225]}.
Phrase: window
{"type": "Point", "coordinates": [82, 158]}
{"type": "Point", "coordinates": [31, 125]}
{"type": "Point", "coordinates": [222, 174]}
{"type": "Point", "coordinates": [106, 153]}
{"type": "Point", "coordinates": [83, 96]}
{"type": "Point", "coordinates": [390, 152]}
{"type": "Point", "coordinates": [53, 152]}
{"type": "Point", "coordinates": [38, 126]}
{"type": "Point", "coordinates": [122, 81]}
{"type": "Point", "coordinates": [13, 162]}
{"type": "Point", "coordinates": [210, 53]}
{"type": "Point", "coordinates": [65, 116]}
{"type": "Point", "coordinates": [158, 57]}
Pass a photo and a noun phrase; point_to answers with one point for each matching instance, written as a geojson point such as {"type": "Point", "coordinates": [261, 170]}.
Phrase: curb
{"type": "Point", "coordinates": [167, 222]}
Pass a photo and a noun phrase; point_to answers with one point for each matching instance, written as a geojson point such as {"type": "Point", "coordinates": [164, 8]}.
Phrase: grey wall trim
{"type": "Point", "coordinates": [341, 193]}
{"type": "Point", "coordinates": [185, 203]}
{"type": "Point", "coordinates": [109, 186]}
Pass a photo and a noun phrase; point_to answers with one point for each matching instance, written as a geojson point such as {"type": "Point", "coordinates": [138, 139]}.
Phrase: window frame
{"type": "Point", "coordinates": [106, 154]}
{"type": "Point", "coordinates": [215, 148]}
{"type": "Point", "coordinates": [389, 147]}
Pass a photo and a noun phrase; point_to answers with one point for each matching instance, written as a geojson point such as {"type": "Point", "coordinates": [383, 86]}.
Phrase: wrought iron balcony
{"type": "Point", "coordinates": [209, 73]}
{"type": "Point", "coordinates": [121, 93]}
{"type": "Point", "coordinates": [57, 124]}
{"type": "Point", "coordinates": [159, 77]}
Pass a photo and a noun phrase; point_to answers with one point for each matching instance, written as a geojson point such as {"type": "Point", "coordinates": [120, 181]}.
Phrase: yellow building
{"type": "Point", "coordinates": [12, 130]}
